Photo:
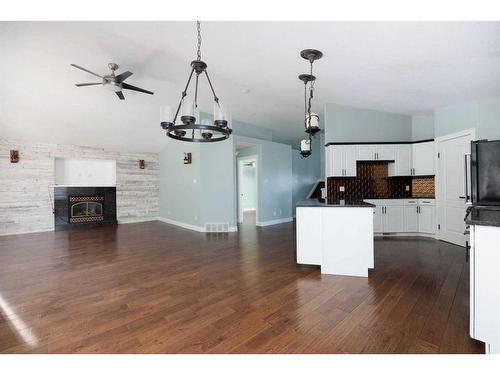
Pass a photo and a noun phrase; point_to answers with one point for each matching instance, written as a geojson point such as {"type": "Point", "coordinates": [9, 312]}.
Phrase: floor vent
{"type": "Point", "coordinates": [216, 227]}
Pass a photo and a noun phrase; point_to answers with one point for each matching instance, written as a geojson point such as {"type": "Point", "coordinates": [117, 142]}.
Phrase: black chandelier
{"type": "Point", "coordinates": [187, 129]}
{"type": "Point", "coordinates": [311, 119]}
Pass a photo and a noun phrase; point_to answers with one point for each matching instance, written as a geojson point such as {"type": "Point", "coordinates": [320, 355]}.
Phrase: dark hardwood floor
{"type": "Point", "coordinates": [156, 288]}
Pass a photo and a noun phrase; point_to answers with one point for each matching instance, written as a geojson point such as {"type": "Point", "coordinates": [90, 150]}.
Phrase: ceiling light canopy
{"type": "Point", "coordinates": [311, 119]}
{"type": "Point", "coordinates": [186, 124]}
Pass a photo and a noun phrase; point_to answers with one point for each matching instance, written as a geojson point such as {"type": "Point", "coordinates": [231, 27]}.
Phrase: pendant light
{"type": "Point", "coordinates": [186, 124]}
{"type": "Point", "coordinates": [311, 119]}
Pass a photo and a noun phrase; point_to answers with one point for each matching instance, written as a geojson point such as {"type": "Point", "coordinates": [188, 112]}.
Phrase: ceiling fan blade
{"type": "Point", "coordinates": [123, 76]}
{"type": "Point", "coordinates": [85, 70]}
{"type": "Point", "coordinates": [120, 95]}
{"type": "Point", "coordinates": [88, 84]}
{"type": "Point", "coordinates": [130, 87]}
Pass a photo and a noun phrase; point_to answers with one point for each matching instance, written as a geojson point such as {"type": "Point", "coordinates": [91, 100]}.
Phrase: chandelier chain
{"type": "Point", "coordinates": [198, 29]}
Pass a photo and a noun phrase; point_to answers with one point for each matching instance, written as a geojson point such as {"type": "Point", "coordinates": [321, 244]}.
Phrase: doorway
{"type": "Point", "coordinates": [451, 174]}
{"type": "Point", "coordinates": [247, 190]}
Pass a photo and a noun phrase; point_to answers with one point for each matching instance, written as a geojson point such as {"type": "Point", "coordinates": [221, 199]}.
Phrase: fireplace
{"type": "Point", "coordinates": [78, 207]}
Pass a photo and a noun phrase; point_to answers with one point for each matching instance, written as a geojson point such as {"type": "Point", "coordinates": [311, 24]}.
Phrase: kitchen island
{"type": "Point", "coordinates": [336, 235]}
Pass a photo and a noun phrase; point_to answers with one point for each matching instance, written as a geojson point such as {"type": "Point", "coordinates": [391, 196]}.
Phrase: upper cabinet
{"type": "Point", "coordinates": [402, 165]}
{"type": "Point", "coordinates": [423, 159]}
{"type": "Point", "coordinates": [341, 161]}
{"type": "Point", "coordinates": [375, 152]}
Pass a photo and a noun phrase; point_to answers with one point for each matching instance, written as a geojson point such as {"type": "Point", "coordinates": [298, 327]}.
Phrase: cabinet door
{"type": "Point", "coordinates": [377, 220]}
{"type": "Point", "coordinates": [366, 152]}
{"type": "Point", "coordinates": [309, 240]}
{"type": "Point", "coordinates": [393, 219]}
{"type": "Point", "coordinates": [386, 152]}
{"type": "Point", "coordinates": [426, 219]}
{"type": "Point", "coordinates": [349, 161]}
{"type": "Point", "coordinates": [336, 163]}
{"type": "Point", "coordinates": [411, 219]}
{"type": "Point", "coordinates": [423, 155]}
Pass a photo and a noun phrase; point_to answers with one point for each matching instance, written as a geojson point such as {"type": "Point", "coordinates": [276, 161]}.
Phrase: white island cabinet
{"type": "Point", "coordinates": [337, 237]}
{"type": "Point", "coordinates": [485, 277]}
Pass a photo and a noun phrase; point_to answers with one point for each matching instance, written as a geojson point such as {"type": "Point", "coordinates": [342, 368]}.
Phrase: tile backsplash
{"type": "Point", "coordinates": [372, 181]}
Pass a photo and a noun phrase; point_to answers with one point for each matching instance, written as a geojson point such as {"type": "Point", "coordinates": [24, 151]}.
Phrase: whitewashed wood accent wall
{"type": "Point", "coordinates": [26, 187]}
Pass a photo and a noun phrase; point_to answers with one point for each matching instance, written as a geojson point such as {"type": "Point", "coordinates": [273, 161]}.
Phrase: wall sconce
{"type": "Point", "coordinates": [14, 156]}
{"type": "Point", "coordinates": [142, 164]}
{"type": "Point", "coordinates": [187, 158]}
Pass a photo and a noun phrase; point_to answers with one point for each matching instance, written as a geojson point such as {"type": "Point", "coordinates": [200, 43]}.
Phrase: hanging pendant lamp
{"type": "Point", "coordinates": [186, 124]}
{"type": "Point", "coordinates": [311, 119]}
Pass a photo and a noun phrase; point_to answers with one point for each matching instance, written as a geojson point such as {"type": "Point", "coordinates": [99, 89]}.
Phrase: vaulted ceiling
{"type": "Point", "coordinates": [403, 67]}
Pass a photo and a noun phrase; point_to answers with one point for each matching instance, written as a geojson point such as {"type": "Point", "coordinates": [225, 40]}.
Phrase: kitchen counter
{"type": "Point", "coordinates": [334, 203]}
{"type": "Point", "coordinates": [484, 215]}
{"type": "Point", "coordinates": [338, 236]}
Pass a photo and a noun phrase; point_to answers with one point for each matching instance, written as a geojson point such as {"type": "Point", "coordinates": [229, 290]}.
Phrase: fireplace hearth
{"type": "Point", "coordinates": [83, 207]}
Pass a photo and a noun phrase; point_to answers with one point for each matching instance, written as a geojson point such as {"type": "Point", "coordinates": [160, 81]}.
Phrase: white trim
{"type": "Point", "coordinates": [313, 188]}
{"type": "Point", "coordinates": [447, 137]}
{"type": "Point", "coordinates": [274, 222]}
{"type": "Point", "coordinates": [248, 209]}
{"type": "Point", "coordinates": [27, 232]}
{"type": "Point", "coordinates": [136, 220]}
{"type": "Point", "coordinates": [191, 226]}
{"type": "Point", "coordinates": [408, 234]}
{"type": "Point", "coordinates": [239, 171]}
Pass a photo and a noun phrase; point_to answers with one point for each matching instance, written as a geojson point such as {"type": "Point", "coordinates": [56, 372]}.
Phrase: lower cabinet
{"type": "Point", "coordinates": [403, 216]}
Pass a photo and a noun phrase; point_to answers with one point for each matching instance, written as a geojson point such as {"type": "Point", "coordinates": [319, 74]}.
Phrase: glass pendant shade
{"type": "Point", "coordinates": [305, 145]}
{"type": "Point", "coordinates": [188, 109]}
{"type": "Point", "coordinates": [219, 112]}
{"type": "Point", "coordinates": [312, 121]}
{"type": "Point", "coordinates": [166, 114]}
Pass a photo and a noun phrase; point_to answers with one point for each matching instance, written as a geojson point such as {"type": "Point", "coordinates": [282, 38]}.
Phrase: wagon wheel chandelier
{"type": "Point", "coordinates": [191, 128]}
{"type": "Point", "coordinates": [311, 119]}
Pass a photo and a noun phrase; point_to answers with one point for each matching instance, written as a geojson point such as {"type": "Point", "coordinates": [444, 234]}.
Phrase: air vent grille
{"type": "Point", "coordinates": [216, 227]}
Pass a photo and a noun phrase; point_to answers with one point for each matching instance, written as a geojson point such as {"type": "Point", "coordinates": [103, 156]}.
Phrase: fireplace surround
{"type": "Point", "coordinates": [84, 207]}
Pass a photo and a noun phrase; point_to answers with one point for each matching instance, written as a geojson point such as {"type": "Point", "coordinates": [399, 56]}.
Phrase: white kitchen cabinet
{"type": "Point", "coordinates": [308, 237]}
{"type": "Point", "coordinates": [411, 215]}
{"type": "Point", "coordinates": [426, 216]}
{"type": "Point", "coordinates": [341, 161]}
{"type": "Point", "coordinates": [402, 165]}
{"type": "Point", "coordinates": [423, 155]}
{"type": "Point", "coordinates": [485, 286]}
{"type": "Point", "coordinates": [393, 219]}
{"type": "Point", "coordinates": [375, 152]}
{"type": "Point", "coordinates": [377, 220]}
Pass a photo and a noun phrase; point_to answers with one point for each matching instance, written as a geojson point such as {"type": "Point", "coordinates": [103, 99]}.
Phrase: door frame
{"type": "Point", "coordinates": [239, 164]}
{"type": "Point", "coordinates": [438, 182]}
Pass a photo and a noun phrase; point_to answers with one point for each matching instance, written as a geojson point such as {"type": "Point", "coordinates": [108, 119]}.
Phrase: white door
{"type": "Point", "coordinates": [411, 218]}
{"type": "Point", "coordinates": [349, 159]}
{"type": "Point", "coordinates": [426, 219]}
{"type": "Point", "coordinates": [450, 189]}
{"type": "Point", "coordinates": [423, 157]}
{"type": "Point", "coordinates": [366, 152]}
{"type": "Point", "coordinates": [393, 217]}
{"type": "Point", "coordinates": [386, 152]}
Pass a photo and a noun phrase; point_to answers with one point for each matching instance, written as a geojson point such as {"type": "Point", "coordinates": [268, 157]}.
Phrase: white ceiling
{"type": "Point", "coordinates": [405, 67]}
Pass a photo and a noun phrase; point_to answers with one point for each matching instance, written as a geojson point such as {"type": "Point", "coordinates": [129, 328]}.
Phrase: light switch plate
{"type": "Point", "coordinates": [341, 188]}
{"type": "Point", "coordinates": [407, 188]}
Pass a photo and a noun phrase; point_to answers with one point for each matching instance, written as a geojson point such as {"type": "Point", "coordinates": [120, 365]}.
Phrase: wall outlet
{"type": "Point", "coordinates": [407, 188]}
{"type": "Point", "coordinates": [342, 188]}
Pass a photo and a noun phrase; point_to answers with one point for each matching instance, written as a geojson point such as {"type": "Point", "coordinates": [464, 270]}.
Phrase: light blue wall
{"type": "Point", "coordinates": [483, 115]}
{"type": "Point", "coordinates": [248, 186]}
{"type": "Point", "coordinates": [274, 171]}
{"type": "Point", "coordinates": [180, 183]}
{"type": "Point", "coordinates": [422, 127]}
{"type": "Point", "coordinates": [351, 124]}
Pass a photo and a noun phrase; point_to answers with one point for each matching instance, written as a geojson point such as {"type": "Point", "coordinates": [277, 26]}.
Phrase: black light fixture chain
{"type": "Point", "coordinates": [198, 28]}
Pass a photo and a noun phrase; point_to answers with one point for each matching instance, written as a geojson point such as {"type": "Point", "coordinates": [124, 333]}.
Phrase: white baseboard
{"type": "Point", "coordinates": [190, 226]}
{"type": "Point", "coordinates": [248, 209]}
{"type": "Point", "coordinates": [414, 234]}
{"type": "Point", "coordinates": [274, 222]}
{"type": "Point", "coordinates": [27, 232]}
{"type": "Point", "coordinates": [136, 220]}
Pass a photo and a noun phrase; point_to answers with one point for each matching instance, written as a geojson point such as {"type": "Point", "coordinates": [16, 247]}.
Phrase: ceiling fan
{"type": "Point", "coordinates": [111, 81]}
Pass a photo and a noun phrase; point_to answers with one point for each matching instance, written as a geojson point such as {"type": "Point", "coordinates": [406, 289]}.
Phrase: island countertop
{"type": "Point", "coordinates": [484, 215]}
{"type": "Point", "coordinates": [334, 203]}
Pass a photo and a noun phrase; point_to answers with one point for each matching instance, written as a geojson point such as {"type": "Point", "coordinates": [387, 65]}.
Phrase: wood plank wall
{"type": "Point", "coordinates": [26, 192]}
